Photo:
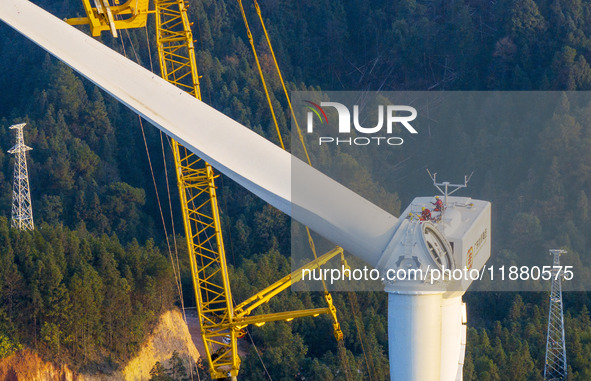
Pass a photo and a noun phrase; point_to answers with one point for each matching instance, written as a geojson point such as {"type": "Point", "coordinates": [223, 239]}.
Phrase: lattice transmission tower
{"type": "Point", "coordinates": [555, 366]}
{"type": "Point", "coordinates": [22, 211]}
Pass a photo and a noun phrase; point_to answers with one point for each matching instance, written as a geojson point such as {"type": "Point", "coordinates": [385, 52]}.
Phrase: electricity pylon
{"type": "Point", "coordinates": [555, 366]}
{"type": "Point", "coordinates": [22, 211]}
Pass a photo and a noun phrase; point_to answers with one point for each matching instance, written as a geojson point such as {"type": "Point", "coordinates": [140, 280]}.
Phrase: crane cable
{"type": "Point", "coordinates": [352, 298]}
{"type": "Point", "coordinates": [342, 351]}
{"type": "Point", "coordinates": [361, 333]}
{"type": "Point", "coordinates": [299, 131]}
{"type": "Point", "coordinates": [258, 354]}
{"type": "Point", "coordinates": [151, 167]}
{"type": "Point", "coordinates": [309, 234]}
{"type": "Point", "coordinates": [176, 251]}
{"type": "Point", "coordinates": [338, 333]}
{"type": "Point", "coordinates": [256, 58]}
{"type": "Point", "coordinates": [175, 269]}
{"type": "Point", "coordinates": [250, 38]}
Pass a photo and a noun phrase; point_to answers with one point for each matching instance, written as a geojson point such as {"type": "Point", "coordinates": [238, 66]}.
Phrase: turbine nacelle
{"type": "Point", "coordinates": [437, 254]}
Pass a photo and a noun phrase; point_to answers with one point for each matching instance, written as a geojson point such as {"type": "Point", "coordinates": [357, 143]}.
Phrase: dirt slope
{"type": "Point", "coordinates": [169, 335]}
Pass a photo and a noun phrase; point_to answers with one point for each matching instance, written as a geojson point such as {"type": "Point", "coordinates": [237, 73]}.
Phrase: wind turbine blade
{"type": "Point", "coordinates": [328, 208]}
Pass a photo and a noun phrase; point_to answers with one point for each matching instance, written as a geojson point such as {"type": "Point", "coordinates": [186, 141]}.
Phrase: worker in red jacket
{"type": "Point", "coordinates": [426, 214]}
{"type": "Point", "coordinates": [438, 204]}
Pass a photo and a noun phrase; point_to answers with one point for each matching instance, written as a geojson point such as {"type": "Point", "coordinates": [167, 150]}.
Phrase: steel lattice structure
{"type": "Point", "coordinates": [196, 182]}
{"type": "Point", "coordinates": [555, 368]}
{"type": "Point", "coordinates": [22, 211]}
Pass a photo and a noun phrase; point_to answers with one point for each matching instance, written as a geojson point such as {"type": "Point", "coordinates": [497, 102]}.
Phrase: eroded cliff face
{"type": "Point", "coordinates": [170, 334]}
{"type": "Point", "coordinates": [26, 365]}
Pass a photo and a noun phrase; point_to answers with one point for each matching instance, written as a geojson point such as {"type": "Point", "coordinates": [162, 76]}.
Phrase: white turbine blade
{"type": "Point", "coordinates": [328, 208]}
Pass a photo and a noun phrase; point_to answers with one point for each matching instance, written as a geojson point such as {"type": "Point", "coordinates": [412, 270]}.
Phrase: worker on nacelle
{"type": "Point", "coordinates": [426, 214]}
{"type": "Point", "coordinates": [438, 205]}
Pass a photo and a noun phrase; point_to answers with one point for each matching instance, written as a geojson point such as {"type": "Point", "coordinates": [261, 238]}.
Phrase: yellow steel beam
{"type": "Point", "coordinates": [108, 17]}
{"type": "Point", "coordinates": [260, 320]}
{"type": "Point", "coordinates": [264, 296]}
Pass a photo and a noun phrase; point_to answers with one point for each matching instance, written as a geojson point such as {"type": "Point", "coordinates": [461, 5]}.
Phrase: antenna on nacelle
{"type": "Point", "coordinates": [445, 191]}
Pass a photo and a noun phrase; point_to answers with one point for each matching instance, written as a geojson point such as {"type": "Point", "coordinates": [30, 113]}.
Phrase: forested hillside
{"type": "Point", "coordinates": [87, 285]}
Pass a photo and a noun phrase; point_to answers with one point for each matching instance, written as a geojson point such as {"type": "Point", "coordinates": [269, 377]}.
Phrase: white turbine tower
{"type": "Point", "coordinates": [426, 322]}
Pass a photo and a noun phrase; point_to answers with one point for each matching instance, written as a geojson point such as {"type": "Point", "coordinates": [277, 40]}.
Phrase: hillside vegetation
{"type": "Point", "coordinates": [87, 285]}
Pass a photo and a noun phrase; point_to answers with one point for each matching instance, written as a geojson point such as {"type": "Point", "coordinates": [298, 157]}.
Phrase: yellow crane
{"type": "Point", "coordinates": [221, 321]}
